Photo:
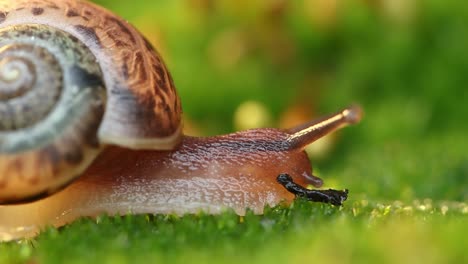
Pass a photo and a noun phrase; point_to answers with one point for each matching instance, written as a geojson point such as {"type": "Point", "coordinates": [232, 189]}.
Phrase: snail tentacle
{"type": "Point", "coordinates": [305, 134]}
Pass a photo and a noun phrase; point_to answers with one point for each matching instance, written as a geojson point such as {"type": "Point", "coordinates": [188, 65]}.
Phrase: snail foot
{"type": "Point", "coordinates": [331, 196]}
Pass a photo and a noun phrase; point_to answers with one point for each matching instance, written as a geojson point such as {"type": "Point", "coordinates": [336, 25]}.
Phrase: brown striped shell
{"type": "Point", "coordinates": [73, 78]}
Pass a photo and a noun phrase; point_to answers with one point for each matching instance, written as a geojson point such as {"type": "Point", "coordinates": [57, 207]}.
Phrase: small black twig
{"type": "Point", "coordinates": [334, 197]}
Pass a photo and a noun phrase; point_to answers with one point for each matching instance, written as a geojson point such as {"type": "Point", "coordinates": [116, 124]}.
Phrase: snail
{"type": "Point", "coordinates": [90, 123]}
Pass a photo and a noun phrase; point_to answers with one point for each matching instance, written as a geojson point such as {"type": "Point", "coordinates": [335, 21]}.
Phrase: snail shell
{"type": "Point", "coordinates": [74, 78]}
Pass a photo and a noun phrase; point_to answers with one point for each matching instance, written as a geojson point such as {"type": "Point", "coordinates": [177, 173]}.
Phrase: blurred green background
{"type": "Point", "coordinates": [239, 63]}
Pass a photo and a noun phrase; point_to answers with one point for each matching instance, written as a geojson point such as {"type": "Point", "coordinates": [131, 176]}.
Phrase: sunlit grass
{"type": "Point", "coordinates": [361, 231]}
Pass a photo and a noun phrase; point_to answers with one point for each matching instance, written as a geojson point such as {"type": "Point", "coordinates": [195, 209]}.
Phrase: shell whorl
{"type": "Point", "coordinates": [52, 100]}
{"type": "Point", "coordinates": [26, 97]}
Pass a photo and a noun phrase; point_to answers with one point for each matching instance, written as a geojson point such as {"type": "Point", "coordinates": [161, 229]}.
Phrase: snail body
{"type": "Point", "coordinates": [119, 131]}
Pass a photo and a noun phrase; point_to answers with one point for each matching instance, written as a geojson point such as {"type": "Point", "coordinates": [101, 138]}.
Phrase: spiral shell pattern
{"type": "Point", "coordinates": [23, 89]}
{"type": "Point", "coordinates": [52, 100]}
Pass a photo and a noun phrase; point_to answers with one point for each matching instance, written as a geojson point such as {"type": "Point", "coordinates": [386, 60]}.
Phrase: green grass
{"type": "Point", "coordinates": [362, 231]}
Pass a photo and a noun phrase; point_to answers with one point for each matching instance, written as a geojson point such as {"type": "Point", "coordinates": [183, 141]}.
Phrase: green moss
{"type": "Point", "coordinates": [361, 231]}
